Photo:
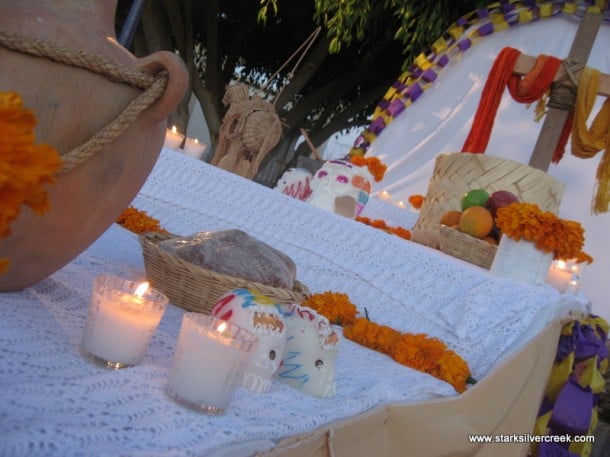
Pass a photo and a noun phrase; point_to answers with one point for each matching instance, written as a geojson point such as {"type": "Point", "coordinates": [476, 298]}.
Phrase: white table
{"type": "Point", "coordinates": [54, 402]}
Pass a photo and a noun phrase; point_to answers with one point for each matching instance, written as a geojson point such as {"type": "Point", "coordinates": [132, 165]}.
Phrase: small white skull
{"type": "Point", "coordinates": [295, 182]}
{"type": "Point", "coordinates": [260, 315]}
{"type": "Point", "coordinates": [311, 349]}
{"type": "Point", "coordinates": [341, 187]}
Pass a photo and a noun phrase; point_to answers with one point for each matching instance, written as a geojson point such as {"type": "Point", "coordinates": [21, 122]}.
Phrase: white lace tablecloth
{"type": "Point", "coordinates": [54, 402]}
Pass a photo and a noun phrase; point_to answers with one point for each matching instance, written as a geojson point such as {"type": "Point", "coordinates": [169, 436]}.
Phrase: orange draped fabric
{"type": "Point", "coordinates": [526, 89]}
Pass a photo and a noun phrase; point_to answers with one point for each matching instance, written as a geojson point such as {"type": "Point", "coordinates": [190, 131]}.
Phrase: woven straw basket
{"type": "Point", "coordinates": [456, 173]}
{"type": "Point", "coordinates": [194, 288]}
{"type": "Point", "coordinates": [466, 247]}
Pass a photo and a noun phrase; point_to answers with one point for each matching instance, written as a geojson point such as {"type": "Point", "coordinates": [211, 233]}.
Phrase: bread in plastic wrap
{"type": "Point", "coordinates": [235, 253]}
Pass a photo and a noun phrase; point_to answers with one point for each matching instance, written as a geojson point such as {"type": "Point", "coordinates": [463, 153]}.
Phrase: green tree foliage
{"type": "Point", "coordinates": [326, 88]}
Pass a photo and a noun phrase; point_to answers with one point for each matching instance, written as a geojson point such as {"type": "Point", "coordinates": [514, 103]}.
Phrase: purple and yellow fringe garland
{"type": "Point", "coordinates": [569, 406]}
{"type": "Point", "coordinates": [458, 38]}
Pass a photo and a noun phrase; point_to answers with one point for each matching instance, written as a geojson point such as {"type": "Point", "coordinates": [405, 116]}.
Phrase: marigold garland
{"type": "Point", "coordinates": [139, 221]}
{"type": "Point", "coordinates": [25, 167]}
{"type": "Point", "coordinates": [564, 238]}
{"type": "Point", "coordinates": [417, 351]}
{"type": "Point", "coordinates": [381, 224]}
{"type": "Point", "coordinates": [335, 306]}
{"type": "Point", "coordinates": [375, 166]}
{"type": "Point", "coordinates": [416, 200]}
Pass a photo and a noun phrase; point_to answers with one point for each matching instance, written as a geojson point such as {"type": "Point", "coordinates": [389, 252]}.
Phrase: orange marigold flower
{"type": "Point", "coordinates": [564, 238]}
{"type": "Point", "coordinates": [401, 232]}
{"type": "Point", "coordinates": [420, 352]}
{"type": "Point", "coordinates": [335, 306]}
{"type": "Point", "coordinates": [454, 370]}
{"type": "Point", "coordinates": [374, 336]}
{"type": "Point", "coordinates": [139, 221]}
{"type": "Point", "coordinates": [25, 167]}
{"type": "Point", "coordinates": [375, 166]}
{"type": "Point", "coordinates": [359, 161]}
{"type": "Point", "coordinates": [381, 224]}
{"type": "Point", "coordinates": [416, 200]}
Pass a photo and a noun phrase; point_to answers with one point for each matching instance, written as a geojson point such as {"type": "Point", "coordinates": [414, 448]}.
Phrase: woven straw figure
{"type": "Point", "coordinates": [249, 130]}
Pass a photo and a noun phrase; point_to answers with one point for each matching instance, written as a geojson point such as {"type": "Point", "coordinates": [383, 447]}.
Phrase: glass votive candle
{"type": "Point", "coordinates": [193, 148]}
{"type": "Point", "coordinates": [209, 362]}
{"type": "Point", "coordinates": [173, 138]}
{"type": "Point", "coordinates": [123, 316]}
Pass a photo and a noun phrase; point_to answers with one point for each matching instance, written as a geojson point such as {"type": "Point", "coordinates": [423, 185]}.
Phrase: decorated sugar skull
{"type": "Point", "coordinates": [341, 187]}
{"type": "Point", "coordinates": [260, 315]}
{"type": "Point", "coordinates": [311, 350]}
{"type": "Point", "coordinates": [295, 182]}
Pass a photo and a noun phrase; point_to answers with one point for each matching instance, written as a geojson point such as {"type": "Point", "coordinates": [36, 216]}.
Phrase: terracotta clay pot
{"type": "Point", "coordinates": [71, 105]}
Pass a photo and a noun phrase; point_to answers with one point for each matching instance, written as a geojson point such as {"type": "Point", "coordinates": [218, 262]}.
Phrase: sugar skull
{"type": "Point", "coordinates": [260, 315]}
{"type": "Point", "coordinates": [342, 187]}
{"type": "Point", "coordinates": [311, 350]}
{"type": "Point", "coordinates": [295, 182]}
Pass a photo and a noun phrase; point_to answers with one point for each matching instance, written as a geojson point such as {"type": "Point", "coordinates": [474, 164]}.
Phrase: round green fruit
{"type": "Point", "coordinates": [474, 197]}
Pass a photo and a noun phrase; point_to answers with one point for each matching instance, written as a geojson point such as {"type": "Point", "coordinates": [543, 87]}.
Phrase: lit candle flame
{"type": "Point", "coordinates": [196, 141]}
{"type": "Point", "coordinates": [561, 264]}
{"type": "Point", "coordinates": [400, 204]}
{"type": "Point", "coordinates": [141, 289]}
{"type": "Point", "coordinates": [221, 327]}
{"type": "Point", "coordinates": [384, 195]}
{"type": "Point", "coordinates": [174, 129]}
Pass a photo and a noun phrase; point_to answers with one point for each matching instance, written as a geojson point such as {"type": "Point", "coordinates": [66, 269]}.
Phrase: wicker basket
{"type": "Point", "coordinates": [194, 288]}
{"type": "Point", "coordinates": [466, 247]}
{"type": "Point", "coordinates": [456, 173]}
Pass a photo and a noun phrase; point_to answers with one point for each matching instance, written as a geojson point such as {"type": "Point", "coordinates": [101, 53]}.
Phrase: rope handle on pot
{"type": "Point", "coordinates": [153, 86]}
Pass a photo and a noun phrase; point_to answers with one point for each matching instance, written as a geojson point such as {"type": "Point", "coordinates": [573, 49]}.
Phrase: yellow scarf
{"type": "Point", "coordinates": [586, 142]}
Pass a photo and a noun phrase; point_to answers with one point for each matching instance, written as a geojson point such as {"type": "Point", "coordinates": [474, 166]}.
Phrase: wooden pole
{"type": "Point", "coordinates": [314, 150]}
{"type": "Point", "coordinates": [555, 117]}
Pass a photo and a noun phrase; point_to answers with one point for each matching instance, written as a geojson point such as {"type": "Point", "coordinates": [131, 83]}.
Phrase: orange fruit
{"type": "Point", "coordinates": [476, 221]}
{"type": "Point", "coordinates": [450, 218]}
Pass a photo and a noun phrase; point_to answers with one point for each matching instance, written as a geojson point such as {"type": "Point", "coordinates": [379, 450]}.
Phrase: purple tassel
{"type": "Point", "coordinates": [486, 29]}
{"type": "Point", "coordinates": [377, 125]}
{"type": "Point", "coordinates": [428, 75]}
{"type": "Point", "coordinates": [586, 342]}
{"type": "Point", "coordinates": [506, 7]}
{"type": "Point", "coordinates": [443, 60]}
{"type": "Point", "coordinates": [564, 348]}
{"type": "Point", "coordinates": [545, 407]}
{"type": "Point", "coordinates": [464, 44]}
{"type": "Point", "coordinates": [383, 104]}
{"type": "Point", "coordinates": [572, 410]}
{"type": "Point", "coordinates": [395, 108]}
{"type": "Point", "coordinates": [511, 18]}
{"type": "Point", "coordinates": [415, 91]}
{"type": "Point", "coordinates": [554, 450]}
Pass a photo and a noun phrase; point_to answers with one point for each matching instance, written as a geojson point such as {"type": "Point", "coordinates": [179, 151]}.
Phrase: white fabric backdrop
{"type": "Point", "coordinates": [439, 121]}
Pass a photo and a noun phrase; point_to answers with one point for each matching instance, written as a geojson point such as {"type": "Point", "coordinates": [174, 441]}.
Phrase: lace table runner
{"type": "Point", "coordinates": [54, 402]}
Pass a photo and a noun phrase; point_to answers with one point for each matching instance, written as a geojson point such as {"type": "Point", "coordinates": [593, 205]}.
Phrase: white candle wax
{"type": "Point", "coordinates": [572, 287]}
{"type": "Point", "coordinates": [120, 324]}
{"type": "Point", "coordinates": [559, 275]}
{"type": "Point", "coordinates": [209, 362]}
{"type": "Point", "coordinates": [193, 148]}
{"type": "Point", "coordinates": [173, 138]}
